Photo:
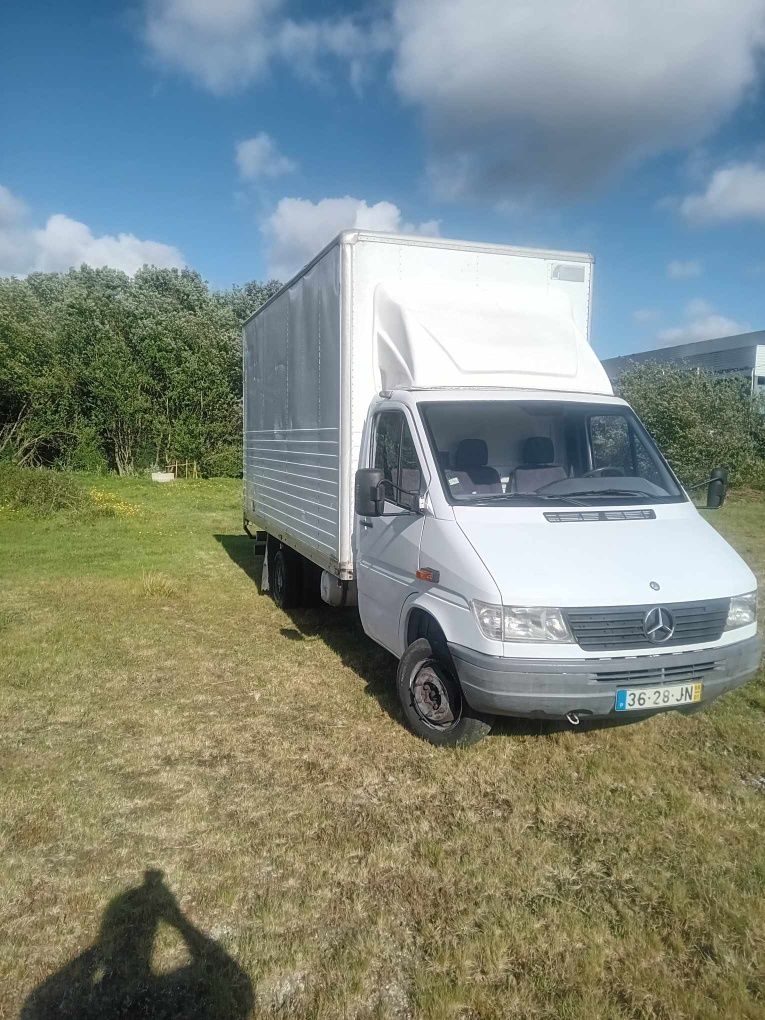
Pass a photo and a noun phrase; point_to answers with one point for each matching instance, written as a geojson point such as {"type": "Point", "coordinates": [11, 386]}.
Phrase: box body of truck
{"type": "Point", "coordinates": [317, 353]}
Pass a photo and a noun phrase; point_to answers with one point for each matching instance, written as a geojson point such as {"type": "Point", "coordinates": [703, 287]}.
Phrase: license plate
{"type": "Point", "coordinates": [635, 699]}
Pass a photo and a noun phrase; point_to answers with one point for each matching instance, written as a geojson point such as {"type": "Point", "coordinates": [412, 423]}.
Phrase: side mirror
{"type": "Point", "coordinates": [717, 488]}
{"type": "Point", "coordinates": [367, 492]}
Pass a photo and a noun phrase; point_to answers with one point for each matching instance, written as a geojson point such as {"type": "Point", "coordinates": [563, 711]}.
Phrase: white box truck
{"type": "Point", "coordinates": [429, 435]}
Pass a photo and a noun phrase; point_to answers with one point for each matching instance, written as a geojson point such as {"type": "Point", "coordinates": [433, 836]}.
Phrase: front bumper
{"type": "Point", "coordinates": [554, 688]}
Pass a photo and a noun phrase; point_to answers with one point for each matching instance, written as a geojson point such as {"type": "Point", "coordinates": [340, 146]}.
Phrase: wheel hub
{"type": "Point", "coordinates": [433, 697]}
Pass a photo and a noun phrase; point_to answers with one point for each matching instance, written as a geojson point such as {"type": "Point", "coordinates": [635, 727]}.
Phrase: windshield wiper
{"type": "Point", "coordinates": [617, 492]}
{"type": "Point", "coordinates": [491, 496]}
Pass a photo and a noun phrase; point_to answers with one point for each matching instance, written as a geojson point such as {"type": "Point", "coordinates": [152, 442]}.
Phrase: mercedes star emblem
{"type": "Point", "coordinates": [658, 625]}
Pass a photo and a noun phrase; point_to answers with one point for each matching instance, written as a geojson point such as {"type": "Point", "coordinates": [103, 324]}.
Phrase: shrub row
{"type": "Point", "coordinates": [100, 371]}
{"type": "Point", "coordinates": [700, 420]}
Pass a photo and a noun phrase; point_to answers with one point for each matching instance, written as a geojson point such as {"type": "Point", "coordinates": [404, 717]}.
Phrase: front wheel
{"type": "Point", "coordinates": [432, 700]}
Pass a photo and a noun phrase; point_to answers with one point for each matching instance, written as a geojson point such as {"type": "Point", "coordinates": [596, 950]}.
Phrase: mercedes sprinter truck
{"type": "Point", "coordinates": [429, 436]}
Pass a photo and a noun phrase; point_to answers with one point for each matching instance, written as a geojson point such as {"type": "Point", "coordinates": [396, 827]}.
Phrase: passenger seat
{"type": "Point", "coordinates": [537, 468]}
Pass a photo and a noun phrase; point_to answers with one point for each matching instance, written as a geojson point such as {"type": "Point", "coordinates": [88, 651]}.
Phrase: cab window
{"type": "Point", "coordinates": [396, 457]}
{"type": "Point", "coordinates": [615, 444]}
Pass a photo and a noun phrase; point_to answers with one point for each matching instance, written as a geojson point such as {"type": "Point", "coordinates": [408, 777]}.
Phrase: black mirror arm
{"type": "Point", "coordinates": [401, 492]}
{"type": "Point", "coordinates": [699, 485]}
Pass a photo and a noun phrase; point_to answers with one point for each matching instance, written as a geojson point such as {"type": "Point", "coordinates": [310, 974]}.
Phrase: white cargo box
{"type": "Point", "coordinates": [379, 311]}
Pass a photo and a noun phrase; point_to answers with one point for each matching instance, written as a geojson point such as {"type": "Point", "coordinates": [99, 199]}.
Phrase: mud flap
{"type": "Point", "coordinates": [264, 581]}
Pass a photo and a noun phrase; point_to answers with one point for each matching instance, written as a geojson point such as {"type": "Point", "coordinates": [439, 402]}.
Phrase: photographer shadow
{"type": "Point", "coordinates": [114, 977]}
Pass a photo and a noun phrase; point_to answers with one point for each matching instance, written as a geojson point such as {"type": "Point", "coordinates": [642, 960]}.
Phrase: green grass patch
{"type": "Point", "coordinates": [316, 859]}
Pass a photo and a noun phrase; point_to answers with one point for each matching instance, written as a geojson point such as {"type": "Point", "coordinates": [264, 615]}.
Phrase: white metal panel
{"type": "Point", "coordinates": [457, 334]}
{"type": "Point", "coordinates": [399, 263]}
{"type": "Point", "coordinates": [292, 397]}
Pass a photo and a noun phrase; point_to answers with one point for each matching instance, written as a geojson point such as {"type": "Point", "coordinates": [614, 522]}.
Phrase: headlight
{"type": "Point", "coordinates": [743, 610]}
{"type": "Point", "coordinates": [489, 619]}
{"type": "Point", "coordinates": [521, 623]}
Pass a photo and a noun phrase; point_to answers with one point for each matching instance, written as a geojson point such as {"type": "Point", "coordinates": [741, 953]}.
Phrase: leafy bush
{"type": "Point", "coordinates": [700, 420]}
{"type": "Point", "coordinates": [39, 492]}
{"type": "Point", "coordinates": [223, 463]}
{"type": "Point", "coordinates": [87, 454]}
{"type": "Point", "coordinates": [101, 371]}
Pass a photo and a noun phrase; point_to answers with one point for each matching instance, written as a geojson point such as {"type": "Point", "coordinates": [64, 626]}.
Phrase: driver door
{"type": "Point", "coordinates": [388, 547]}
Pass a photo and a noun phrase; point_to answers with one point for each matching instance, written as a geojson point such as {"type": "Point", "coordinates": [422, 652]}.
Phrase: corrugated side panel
{"type": "Point", "coordinates": [292, 414]}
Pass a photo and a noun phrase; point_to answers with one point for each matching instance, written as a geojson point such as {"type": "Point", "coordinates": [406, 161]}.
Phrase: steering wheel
{"type": "Point", "coordinates": [605, 472]}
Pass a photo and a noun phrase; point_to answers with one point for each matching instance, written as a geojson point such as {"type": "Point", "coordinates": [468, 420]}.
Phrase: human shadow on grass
{"type": "Point", "coordinates": [341, 630]}
{"type": "Point", "coordinates": [114, 977]}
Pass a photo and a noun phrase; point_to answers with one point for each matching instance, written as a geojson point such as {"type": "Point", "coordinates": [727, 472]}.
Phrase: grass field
{"type": "Point", "coordinates": [317, 860]}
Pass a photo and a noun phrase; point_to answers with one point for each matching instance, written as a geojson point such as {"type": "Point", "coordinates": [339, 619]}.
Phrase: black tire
{"type": "Point", "coordinates": [432, 700]}
{"type": "Point", "coordinates": [311, 584]}
{"type": "Point", "coordinates": [285, 578]}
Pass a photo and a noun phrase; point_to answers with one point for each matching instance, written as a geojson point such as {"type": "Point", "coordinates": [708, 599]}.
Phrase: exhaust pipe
{"type": "Point", "coordinates": [573, 718]}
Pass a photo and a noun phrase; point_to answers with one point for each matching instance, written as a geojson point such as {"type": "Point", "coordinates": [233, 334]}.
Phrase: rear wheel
{"type": "Point", "coordinates": [286, 579]}
{"type": "Point", "coordinates": [432, 700]}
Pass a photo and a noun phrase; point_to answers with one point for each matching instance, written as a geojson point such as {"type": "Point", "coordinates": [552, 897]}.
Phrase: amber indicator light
{"type": "Point", "coordinates": [428, 574]}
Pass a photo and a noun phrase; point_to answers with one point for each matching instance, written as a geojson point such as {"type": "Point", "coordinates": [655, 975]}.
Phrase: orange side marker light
{"type": "Point", "coordinates": [428, 574]}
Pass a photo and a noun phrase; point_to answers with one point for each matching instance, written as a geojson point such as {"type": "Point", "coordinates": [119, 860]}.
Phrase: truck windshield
{"type": "Point", "coordinates": [534, 452]}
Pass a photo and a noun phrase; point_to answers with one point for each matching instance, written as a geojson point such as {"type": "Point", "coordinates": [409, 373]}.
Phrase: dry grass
{"type": "Point", "coordinates": [158, 713]}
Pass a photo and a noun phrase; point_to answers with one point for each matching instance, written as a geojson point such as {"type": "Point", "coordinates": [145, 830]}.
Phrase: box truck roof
{"type": "Point", "coordinates": [350, 237]}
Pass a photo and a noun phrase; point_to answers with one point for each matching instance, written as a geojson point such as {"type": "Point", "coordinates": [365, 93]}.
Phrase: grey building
{"type": "Point", "coordinates": [743, 354]}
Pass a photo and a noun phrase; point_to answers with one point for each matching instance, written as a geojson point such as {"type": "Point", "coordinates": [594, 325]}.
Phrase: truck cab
{"type": "Point", "coordinates": [531, 553]}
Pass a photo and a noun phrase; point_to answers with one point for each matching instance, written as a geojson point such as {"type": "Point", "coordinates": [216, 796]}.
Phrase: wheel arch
{"type": "Point", "coordinates": [420, 622]}
{"type": "Point", "coordinates": [423, 615]}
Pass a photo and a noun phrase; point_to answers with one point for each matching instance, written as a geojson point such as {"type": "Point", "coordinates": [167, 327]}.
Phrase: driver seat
{"type": "Point", "coordinates": [537, 468]}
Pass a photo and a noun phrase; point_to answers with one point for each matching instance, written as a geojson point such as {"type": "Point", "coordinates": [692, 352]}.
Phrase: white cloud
{"type": "Point", "coordinates": [698, 308]}
{"type": "Point", "coordinates": [260, 157]}
{"type": "Point", "coordinates": [63, 243]}
{"type": "Point", "coordinates": [733, 192]}
{"type": "Point", "coordinates": [298, 228]}
{"type": "Point", "coordinates": [678, 270]}
{"type": "Point", "coordinates": [228, 44]}
{"type": "Point", "coordinates": [526, 96]}
{"type": "Point", "coordinates": [643, 315]}
{"type": "Point", "coordinates": [702, 323]}
{"type": "Point", "coordinates": [16, 242]}
{"type": "Point", "coordinates": [516, 97]}
{"type": "Point", "coordinates": [224, 45]}
{"type": "Point", "coordinates": [12, 209]}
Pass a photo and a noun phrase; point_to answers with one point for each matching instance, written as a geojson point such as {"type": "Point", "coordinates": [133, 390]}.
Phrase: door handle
{"type": "Point", "coordinates": [366, 524]}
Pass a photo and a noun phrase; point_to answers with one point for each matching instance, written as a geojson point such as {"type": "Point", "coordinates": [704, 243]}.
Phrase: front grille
{"type": "Point", "coordinates": [608, 628]}
{"type": "Point", "coordinates": [659, 674]}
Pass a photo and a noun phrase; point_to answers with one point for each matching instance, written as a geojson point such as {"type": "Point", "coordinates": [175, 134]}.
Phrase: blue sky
{"type": "Point", "coordinates": [628, 130]}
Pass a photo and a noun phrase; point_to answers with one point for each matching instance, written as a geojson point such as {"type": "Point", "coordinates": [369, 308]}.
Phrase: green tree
{"type": "Point", "coordinates": [699, 419]}
{"type": "Point", "coordinates": [99, 370]}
